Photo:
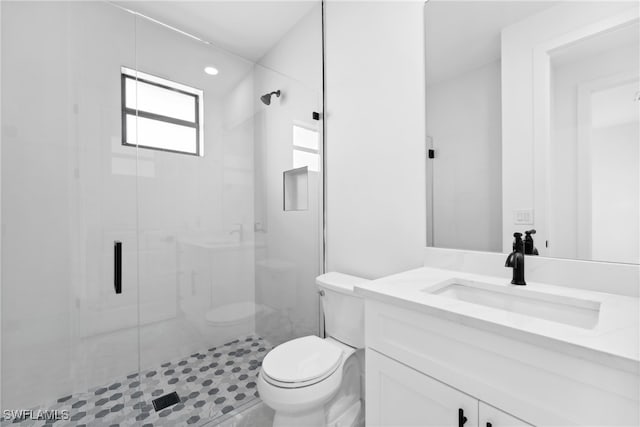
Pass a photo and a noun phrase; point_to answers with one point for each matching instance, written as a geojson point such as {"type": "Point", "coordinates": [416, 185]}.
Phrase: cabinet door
{"type": "Point", "coordinates": [400, 396]}
{"type": "Point", "coordinates": [493, 417]}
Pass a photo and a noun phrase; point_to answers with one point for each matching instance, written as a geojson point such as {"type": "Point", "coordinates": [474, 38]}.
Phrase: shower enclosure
{"type": "Point", "coordinates": [146, 248]}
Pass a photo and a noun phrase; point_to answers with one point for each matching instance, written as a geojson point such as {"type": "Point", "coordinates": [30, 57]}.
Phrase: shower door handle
{"type": "Point", "coordinates": [117, 266]}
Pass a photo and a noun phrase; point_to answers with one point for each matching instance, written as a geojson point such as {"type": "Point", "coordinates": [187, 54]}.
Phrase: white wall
{"type": "Point", "coordinates": [375, 149]}
{"type": "Point", "coordinates": [463, 120]}
{"type": "Point", "coordinates": [298, 55]}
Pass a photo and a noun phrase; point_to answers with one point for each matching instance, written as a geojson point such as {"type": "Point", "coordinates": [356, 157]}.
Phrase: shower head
{"type": "Point", "coordinates": [266, 98]}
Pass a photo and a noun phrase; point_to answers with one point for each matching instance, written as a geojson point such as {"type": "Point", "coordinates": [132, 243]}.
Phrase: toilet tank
{"type": "Point", "coordinates": [343, 309]}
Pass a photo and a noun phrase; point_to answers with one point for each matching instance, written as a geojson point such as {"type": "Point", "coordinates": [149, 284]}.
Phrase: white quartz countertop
{"type": "Point", "coordinates": [614, 340]}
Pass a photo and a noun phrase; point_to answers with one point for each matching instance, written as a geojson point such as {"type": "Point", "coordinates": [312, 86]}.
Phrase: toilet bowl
{"type": "Point", "coordinates": [230, 321]}
{"type": "Point", "coordinates": [232, 314]}
{"type": "Point", "coordinates": [221, 324]}
{"type": "Point", "coordinates": [311, 381]}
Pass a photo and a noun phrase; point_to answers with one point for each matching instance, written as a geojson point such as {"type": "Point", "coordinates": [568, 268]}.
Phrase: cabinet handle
{"type": "Point", "coordinates": [461, 418]}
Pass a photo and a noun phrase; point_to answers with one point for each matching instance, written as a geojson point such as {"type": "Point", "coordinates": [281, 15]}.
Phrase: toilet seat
{"type": "Point", "coordinates": [301, 362]}
{"type": "Point", "coordinates": [301, 384]}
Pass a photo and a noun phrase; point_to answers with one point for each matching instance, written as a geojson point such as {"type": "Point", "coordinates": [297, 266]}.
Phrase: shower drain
{"type": "Point", "coordinates": [165, 401]}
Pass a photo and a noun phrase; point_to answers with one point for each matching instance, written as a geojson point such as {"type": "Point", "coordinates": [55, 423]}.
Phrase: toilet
{"type": "Point", "coordinates": [311, 381]}
{"type": "Point", "coordinates": [230, 321]}
{"type": "Point", "coordinates": [222, 324]}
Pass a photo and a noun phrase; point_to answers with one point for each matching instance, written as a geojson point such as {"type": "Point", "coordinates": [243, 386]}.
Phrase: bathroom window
{"type": "Point", "coordinates": [161, 114]}
{"type": "Point", "coordinates": [306, 143]}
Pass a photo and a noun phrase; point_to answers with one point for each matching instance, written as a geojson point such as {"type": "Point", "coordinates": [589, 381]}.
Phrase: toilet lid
{"type": "Point", "coordinates": [301, 360]}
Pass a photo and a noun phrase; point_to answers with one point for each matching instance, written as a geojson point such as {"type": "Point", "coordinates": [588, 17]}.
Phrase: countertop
{"type": "Point", "coordinates": [614, 340]}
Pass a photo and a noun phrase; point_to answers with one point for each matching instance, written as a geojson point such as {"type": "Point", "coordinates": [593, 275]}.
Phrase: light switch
{"type": "Point", "coordinates": [523, 217]}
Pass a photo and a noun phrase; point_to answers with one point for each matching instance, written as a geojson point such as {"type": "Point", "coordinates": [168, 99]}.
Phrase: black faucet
{"type": "Point", "coordinates": [529, 247]}
{"type": "Point", "coordinates": [515, 260]}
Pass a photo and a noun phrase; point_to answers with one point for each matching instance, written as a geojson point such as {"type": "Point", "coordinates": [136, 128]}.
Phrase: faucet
{"type": "Point", "coordinates": [515, 260]}
{"type": "Point", "coordinates": [529, 247]}
{"type": "Point", "coordinates": [239, 230]}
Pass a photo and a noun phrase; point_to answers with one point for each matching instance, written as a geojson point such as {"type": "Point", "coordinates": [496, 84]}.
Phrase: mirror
{"type": "Point", "coordinates": [533, 116]}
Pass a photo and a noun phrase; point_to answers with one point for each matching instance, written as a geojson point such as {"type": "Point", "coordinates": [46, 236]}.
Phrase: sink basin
{"type": "Point", "coordinates": [515, 299]}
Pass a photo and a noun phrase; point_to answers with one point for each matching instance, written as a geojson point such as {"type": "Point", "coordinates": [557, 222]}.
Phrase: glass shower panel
{"type": "Point", "coordinates": [68, 192]}
{"type": "Point", "coordinates": [225, 273]}
{"type": "Point", "coordinates": [214, 272]}
{"type": "Point", "coordinates": [288, 242]}
{"type": "Point", "coordinates": [196, 217]}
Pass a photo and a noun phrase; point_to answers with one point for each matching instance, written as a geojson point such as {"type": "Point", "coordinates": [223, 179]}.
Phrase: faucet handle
{"type": "Point", "coordinates": [530, 232]}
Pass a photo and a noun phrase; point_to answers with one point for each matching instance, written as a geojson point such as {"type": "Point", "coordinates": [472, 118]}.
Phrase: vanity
{"type": "Point", "coordinates": [518, 145]}
{"type": "Point", "coordinates": [454, 344]}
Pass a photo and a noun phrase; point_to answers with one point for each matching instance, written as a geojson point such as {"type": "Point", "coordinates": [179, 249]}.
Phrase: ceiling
{"type": "Point", "coordinates": [463, 35]}
{"type": "Point", "coordinates": [246, 28]}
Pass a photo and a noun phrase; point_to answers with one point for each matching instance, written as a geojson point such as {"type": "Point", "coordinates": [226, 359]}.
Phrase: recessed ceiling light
{"type": "Point", "coordinates": [212, 71]}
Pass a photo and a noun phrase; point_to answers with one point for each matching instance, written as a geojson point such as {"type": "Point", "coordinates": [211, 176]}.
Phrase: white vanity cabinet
{"type": "Point", "coordinates": [488, 416]}
{"type": "Point", "coordinates": [400, 396]}
{"type": "Point", "coordinates": [423, 368]}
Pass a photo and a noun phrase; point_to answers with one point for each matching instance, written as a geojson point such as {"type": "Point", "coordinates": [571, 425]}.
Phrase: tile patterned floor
{"type": "Point", "coordinates": [211, 384]}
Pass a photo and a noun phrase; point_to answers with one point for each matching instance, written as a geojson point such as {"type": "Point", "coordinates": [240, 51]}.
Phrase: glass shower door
{"type": "Point", "coordinates": [146, 247]}
{"type": "Point", "coordinates": [69, 340]}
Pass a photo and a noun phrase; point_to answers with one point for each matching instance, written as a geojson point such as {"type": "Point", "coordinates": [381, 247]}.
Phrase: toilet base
{"type": "Point", "coordinates": [313, 418]}
{"type": "Point", "coordinates": [352, 417]}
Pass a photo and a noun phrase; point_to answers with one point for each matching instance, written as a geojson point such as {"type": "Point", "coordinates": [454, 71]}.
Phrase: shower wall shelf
{"type": "Point", "coordinates": [295, 189]}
